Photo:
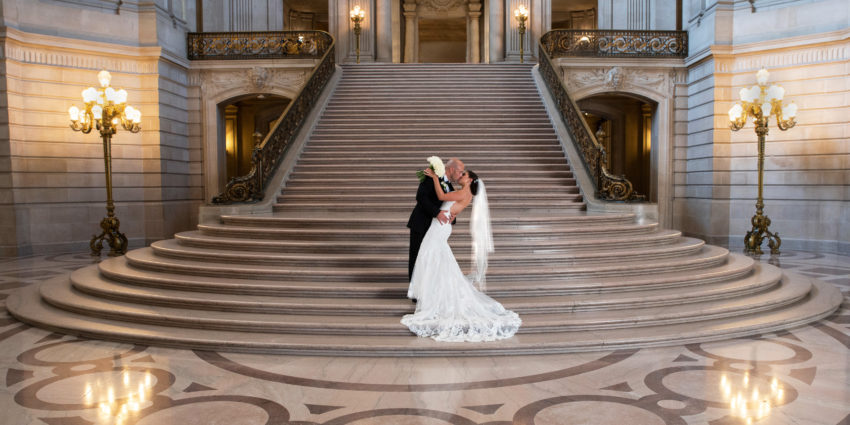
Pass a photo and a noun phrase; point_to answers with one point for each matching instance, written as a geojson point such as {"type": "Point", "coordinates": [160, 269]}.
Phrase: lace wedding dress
{"type": "Point", "coordinates": [448, 307]}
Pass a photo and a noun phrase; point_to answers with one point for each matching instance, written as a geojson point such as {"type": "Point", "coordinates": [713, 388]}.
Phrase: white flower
{"type": "Point", "coordinates": [437, 165]}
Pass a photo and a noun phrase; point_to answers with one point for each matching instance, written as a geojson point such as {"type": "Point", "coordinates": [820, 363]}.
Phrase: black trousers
{"type": "Point", "coordinates": [415, 242]}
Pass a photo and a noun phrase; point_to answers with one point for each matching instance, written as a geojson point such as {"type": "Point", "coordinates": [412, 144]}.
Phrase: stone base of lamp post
{"type": "Point", "coordinates": [112, 236]}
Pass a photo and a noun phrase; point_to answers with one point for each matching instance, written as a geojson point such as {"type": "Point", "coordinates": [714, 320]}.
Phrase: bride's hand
{"type": "Point", "coordinates": [430, 173]}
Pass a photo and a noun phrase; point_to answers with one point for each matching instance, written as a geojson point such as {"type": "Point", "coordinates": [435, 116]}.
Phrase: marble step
{"type": "Point", "coordinates": [670, 261]}
{"type": "Point", "coordinates": [516, 174]}
{"type": "Point", "coordinates": [401, 117]}
{"type": "Point", "coordinates": [355, 93]}
{"type": "Point", "coordinates": [502, 208]}
{"type": "Point", "coordinates": [597, 255]}
{"type": "Point", "coordinates": [120, 270]}
{"type": "Point", "coordinates": [822, 300]}
{"type": "Point", "coordinates": [362, 92]}
{"type": "Point", "coordinates": [379, 200]}
{"type": "Point", "coordinates": [402, 141]}
{"type": "Point", "coordinates": [313, 180]}
{"type": "Point", "coordinates": [517, 171]}
{"type": "Point", "coordinates": [494, 191]}
{"type": "Point", "coordinates": [466, 99]}
{"type": "Point", "coordinates": [468, 150]}
{"type": "Point", "coordinates": [400, 243]}
{"type": "Point", "coordinates": [412, 112]}
{"type": "Point", "coordinates": [381, 316]}
{"type": "Point", "coordinates": [575, 222]}
{"type": "Point", "coordinates": [414, 82]}
{"type": "Point", "coordinates": [543, 236]}
{"type": "Point", "coordinates": [89, 281]}
{"type": "Point", "coordinates": [409, 162]}
{"type": "Point", "coordinates": [435, 130]}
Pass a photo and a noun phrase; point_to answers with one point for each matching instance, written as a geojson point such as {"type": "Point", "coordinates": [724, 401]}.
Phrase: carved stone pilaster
{"type": "Point", "coordinates": [475, 43]}
{"type": "Point", "coordinates": [409, 30]}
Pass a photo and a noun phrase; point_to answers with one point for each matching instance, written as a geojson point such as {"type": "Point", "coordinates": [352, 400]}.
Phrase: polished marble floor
{"type": "Point", "coordinates": [797, 377]}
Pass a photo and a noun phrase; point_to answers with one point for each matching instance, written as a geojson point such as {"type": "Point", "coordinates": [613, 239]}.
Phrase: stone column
{"type": "Point", "coordinates": [395, 18]}
{"type": "Point", "coordinates": [474, 39]}
{"type": "Point", "coordinates": [496, 35]}
{"type": "Point", "coordinates": [383, 30]}
{"type": "Point", "coordinates": [409, 31]}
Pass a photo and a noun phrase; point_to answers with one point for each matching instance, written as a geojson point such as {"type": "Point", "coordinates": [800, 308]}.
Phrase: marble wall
{"type": "Point", "coordinates": [242, 15]}
{"type": "Point", "coordinates": [52, 178]}
{"type": "Point", "coordinates": [806, 47]}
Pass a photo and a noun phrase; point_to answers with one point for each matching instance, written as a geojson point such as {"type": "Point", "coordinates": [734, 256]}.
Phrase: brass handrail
{"type": "Point", "coordinates": [616, 43]}
{"type": "Point", "coordinates": [267, 155]}
{"type": "Point", "coordinates": [258, 45]}
{"type": "Point", "coordinates": [609, 187]}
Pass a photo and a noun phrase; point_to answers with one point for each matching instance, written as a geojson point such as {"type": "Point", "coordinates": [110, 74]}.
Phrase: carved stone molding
{"type": "Point", "coordinates": [258, 76]}
{"type": "Point", "coordinates": [55, 51]}
{"type": "Point", "coordinates": [618, 78]}
{"type": "Point", "coordinates": [256, 79]}
{"type": "Point", "coordinates": [441, 5]}
{"type": "Point", "coordinates": [614, 78]}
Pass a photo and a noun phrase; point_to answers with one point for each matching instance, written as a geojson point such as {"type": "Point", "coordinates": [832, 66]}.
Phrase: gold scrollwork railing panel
{"type": "Point", "coordinates": [267, 155]}
{"type": "Point", "coordinates": [616, 43]}
{"type": "Point", "coordinates": [609, 187]}
{"type": "Point", "coordinates": [258, 45]}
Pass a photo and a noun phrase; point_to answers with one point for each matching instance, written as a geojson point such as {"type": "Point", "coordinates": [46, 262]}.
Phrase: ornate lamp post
{"type": "Point", "coordinates": [104, 109]}
{"type": "Point", "coordinates": [357, 16]}
{"type": "Point", "coordinates": [760, 102]}
{"type": "Point", "coordinates": [521, 15]}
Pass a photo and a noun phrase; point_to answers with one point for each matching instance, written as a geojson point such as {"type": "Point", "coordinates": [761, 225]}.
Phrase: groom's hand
{"type": "Point", "coordinates": [443, 218]}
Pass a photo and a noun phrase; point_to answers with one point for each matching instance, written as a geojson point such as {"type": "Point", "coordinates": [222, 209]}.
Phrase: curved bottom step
{"type": "Point", "coordinates": [28, 306]}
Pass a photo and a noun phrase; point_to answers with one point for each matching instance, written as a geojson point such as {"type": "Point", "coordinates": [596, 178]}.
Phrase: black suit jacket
{"type": "Point", "coordinates": [427, 206]}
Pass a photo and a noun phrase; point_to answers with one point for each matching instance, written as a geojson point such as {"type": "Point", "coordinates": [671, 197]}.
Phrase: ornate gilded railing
{"type": "Point", "coordinates": [267, 155]}
{"type": "Point", "coordinates": [609, 187]}
{"type": "Point", "coordinates": [258, 45]}
{"type": "Point", "coordinates": [617, 43]}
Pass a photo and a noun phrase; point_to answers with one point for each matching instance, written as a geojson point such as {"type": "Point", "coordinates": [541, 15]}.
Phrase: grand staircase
{"type": "Point", "coordinates": [325, 271]}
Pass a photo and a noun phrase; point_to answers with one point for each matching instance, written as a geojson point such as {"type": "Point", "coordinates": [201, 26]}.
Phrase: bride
{"type": "Point", "coordinates": [449, 308]}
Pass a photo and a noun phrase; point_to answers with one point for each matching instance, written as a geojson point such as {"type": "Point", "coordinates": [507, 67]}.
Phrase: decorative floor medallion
{"type": "Point", "coordinates": [795, 377]}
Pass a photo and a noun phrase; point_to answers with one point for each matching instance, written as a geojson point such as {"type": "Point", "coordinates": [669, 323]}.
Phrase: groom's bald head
{"type": "Point", "coordinates": [454, 169]}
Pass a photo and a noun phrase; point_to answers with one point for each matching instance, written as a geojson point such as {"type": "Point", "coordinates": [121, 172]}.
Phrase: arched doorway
{"type": "Point", "coordinates": [245, 121]}
{"type": "Point", "coordinates": [624, 126]}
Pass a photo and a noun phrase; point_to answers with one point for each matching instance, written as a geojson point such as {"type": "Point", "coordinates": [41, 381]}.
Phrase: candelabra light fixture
{"type": "Point", "coordinates": [105, 109]}
{"type": "Point", "coordinates": [760, 102]}
{"type": "Point", "coordinates": [357, 16]}
{"type": "Point", "coordinates": [521, 15]}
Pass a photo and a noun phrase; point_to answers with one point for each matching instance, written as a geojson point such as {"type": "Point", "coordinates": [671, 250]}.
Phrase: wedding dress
{"type": "Point", "coordinates": [448, 307]}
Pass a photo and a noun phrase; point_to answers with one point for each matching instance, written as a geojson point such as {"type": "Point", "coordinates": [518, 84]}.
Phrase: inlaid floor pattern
{"type": "Point", "coordinates": [325, 271]}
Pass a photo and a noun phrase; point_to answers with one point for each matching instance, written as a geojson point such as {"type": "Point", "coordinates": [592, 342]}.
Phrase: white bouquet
{"type": "Point", "coordinates": [435, 164]}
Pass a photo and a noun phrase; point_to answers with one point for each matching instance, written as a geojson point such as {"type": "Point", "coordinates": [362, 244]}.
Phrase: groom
{"type": "Point", "coordinates": [428, 207]}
